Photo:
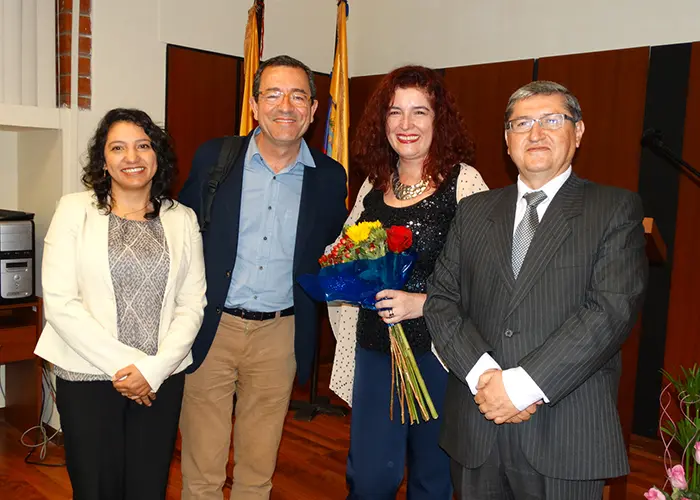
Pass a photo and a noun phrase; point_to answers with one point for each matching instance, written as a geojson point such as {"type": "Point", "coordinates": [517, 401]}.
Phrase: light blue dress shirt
{"type": "Point", "coordinates": [262, 277]}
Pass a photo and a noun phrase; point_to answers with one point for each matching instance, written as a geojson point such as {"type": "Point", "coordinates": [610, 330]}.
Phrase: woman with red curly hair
{"type": "Point", "coordinates": [413, 145]}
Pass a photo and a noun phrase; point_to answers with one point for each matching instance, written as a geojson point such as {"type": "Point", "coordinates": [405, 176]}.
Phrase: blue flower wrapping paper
{"type": "Point", "coordinates": [358, 282]}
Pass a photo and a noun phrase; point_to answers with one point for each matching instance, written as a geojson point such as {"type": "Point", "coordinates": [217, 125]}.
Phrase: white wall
{"type": "Point", "coordinates": [218, 28]}
{"type": "Point", "coordinates": [304, 29]}
{"type": "Point", "coordinates": [445, 33]}
{"type": "Point", "coordinates": [8, 170]}
{"type": "Point", "coordinates": [40, 158]}
{"type": "Point", "coordinates": [128, 59]}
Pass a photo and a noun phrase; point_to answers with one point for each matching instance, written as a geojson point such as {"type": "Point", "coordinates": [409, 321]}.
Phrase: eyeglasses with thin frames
{"type": "Point", "coordinates": [298, 98]}
{"type": "Point", "coordinates": [552, 121]}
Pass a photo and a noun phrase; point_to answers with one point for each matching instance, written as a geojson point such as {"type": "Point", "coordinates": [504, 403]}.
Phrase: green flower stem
{"type": "Point", "coordinates": [413, 374]}
{"type": "Point", "coordinates": [402, 389]}
{"type": "Point", "coordinates": [409, 389]}
{"type": "Point", "coordinates": [418, 396]}
{"type": "Point", "coordinates": [412, 361]}
{"type": "Point", "coordinates": [393, 383]}
{"type": "Point", "coordinates": [405, 393]}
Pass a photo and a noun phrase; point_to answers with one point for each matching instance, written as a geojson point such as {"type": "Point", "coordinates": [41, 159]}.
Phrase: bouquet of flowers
{"type": "Point", "coordinates": [684, 477]}
{"type": "Point", "coordinates": [369, 258]}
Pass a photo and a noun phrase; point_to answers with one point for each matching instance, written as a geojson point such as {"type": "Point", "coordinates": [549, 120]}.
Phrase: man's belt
{"type": "Point", "coordinates": [258, 316]}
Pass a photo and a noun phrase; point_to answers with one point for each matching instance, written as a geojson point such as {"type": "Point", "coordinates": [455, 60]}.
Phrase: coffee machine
{"type": "Point", "coordinates": [16, 257]}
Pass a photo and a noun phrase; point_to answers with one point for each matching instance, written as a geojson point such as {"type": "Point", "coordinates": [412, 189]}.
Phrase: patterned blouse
{"type": "Point", "coordinates": [139, 262]}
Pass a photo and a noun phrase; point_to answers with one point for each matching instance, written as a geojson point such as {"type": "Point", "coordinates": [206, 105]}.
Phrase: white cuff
{"type": "Point", "coordinates": [521, 389]}
{"type": "Point", "coordinates": [486, 362]}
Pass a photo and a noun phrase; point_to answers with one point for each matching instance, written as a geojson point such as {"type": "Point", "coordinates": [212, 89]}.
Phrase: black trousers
{"type": "Point", "coordinates": [508, 475]}
{"type": "Point", "coordinates": [117, 449]}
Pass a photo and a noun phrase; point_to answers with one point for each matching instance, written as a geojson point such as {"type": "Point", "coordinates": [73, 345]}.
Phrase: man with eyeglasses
{"type": "Point", "coordinates": [537, 287]}
{"type": "Point", "coordinates": [276, 210]}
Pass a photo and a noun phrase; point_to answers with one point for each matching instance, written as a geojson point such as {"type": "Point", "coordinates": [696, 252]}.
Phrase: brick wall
{"type": "Point", "coordinates": [64, 27]}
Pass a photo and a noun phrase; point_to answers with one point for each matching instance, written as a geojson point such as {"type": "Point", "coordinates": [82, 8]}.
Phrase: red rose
{"type": "Point", "coordinates": [399, 238]}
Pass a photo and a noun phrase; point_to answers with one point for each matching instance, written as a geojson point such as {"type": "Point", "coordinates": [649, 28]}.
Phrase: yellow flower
{"type": "Point", "coordinates": [360, 232]}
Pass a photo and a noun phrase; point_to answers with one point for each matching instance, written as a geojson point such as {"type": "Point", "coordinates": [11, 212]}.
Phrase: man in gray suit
{"type": "Point", "coordinates": [537, 288]}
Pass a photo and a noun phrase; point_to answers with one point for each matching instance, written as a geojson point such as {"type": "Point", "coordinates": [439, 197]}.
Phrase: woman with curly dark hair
{"type": "Point", "coordinates": [95, 173]}
{"type": "Point", "coordinates": [413, 145]}
{"type": "Point", "coordinates": [123, 283]}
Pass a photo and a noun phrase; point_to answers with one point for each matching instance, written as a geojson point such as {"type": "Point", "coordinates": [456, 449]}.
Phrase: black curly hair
{"type": "Point", "coordinates": [94, 176]}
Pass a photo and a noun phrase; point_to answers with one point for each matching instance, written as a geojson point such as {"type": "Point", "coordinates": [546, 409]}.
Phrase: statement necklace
{"type": "Point", "coordinates": [405, 192]}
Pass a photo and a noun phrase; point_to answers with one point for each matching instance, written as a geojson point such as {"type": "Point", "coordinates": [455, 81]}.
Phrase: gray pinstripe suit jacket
{"type": "Point", "coordinates": [564, 320]}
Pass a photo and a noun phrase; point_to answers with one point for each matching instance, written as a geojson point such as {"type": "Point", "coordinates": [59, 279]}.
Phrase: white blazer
{"type": "Point", "coordinates": [81, 317]}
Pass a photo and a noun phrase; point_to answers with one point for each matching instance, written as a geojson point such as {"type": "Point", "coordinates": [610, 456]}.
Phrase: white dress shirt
{"type": "Point", "coordinates": [521, 389]}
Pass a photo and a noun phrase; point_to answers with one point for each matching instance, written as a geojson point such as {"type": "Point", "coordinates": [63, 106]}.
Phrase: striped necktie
{"type": "Point", "coordinates": [526, 229]}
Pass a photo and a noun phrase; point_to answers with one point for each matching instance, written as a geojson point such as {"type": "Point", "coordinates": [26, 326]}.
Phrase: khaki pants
{"type": "Point", "coordinates": [255, 360]}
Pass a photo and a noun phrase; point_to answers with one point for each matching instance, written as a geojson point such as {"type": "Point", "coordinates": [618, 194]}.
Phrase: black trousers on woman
{"type": "Point", "coordinates": [117, 449]}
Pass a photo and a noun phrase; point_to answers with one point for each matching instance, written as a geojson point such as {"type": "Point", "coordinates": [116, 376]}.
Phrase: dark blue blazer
{"type": "Point", "coordinates": [322, 213]}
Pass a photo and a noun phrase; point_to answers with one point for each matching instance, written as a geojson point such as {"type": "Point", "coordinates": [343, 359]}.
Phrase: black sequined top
{"type": "Point", "coordinates": [429, 220]}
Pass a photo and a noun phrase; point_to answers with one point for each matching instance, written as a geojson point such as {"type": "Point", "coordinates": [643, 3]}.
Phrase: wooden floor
{"type": "Point", "coordinates": [311, 465]}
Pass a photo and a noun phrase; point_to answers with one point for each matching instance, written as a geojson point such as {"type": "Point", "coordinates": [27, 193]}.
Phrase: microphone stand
{"type": "Point", "coordinates": [653, 139]}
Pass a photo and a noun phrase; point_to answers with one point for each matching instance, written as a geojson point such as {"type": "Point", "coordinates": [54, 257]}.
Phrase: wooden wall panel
{"type": "Point", "coordinates": [361, 88]}
{"type": "Point", "coordinates": [611, 87]}
{"type": "Point", "coordinates": [201, 101]}
{"type": "Point", "coordinates": [316, 135]}
{"type": "Point", "coordinates": [482, 93]}
{"type": "Point", "coordinates": [682, 334]}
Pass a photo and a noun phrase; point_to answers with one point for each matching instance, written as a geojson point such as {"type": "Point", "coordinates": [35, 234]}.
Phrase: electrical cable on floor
{"type": "Point", "coordinates": [45, 439]}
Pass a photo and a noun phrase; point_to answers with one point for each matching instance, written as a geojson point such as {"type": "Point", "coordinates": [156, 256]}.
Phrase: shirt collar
{"type": "Point", "coordinates": [550, 189]}
{"type": "Point", "coordinates": [304, 157]}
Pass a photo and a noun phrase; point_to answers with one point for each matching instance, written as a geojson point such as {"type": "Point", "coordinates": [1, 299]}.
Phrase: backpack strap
{"type": "Point", "coordinates": [228, 155]}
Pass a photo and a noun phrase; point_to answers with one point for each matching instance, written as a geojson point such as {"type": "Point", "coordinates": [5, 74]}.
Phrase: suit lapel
{"type": "Point", "coordinates": [500, 235]}
{"type": "Point", "coordinates": [551, 233]}
{"type": "Point", "coordinates": [307, 212]}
